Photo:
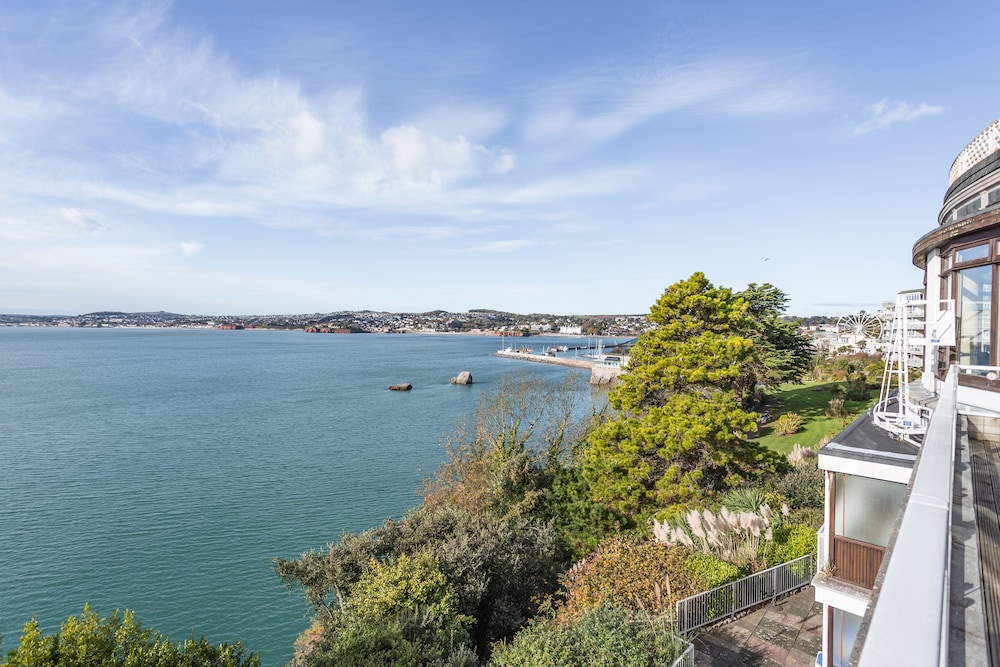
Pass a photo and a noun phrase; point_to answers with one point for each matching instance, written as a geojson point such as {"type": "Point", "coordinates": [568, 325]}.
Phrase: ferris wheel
{"type": "Point", "coordinates": [861, 325]}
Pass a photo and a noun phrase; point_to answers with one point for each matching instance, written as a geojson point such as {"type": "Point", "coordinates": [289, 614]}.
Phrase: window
{"type": "Point", "coordinates": [973, 253]}
{"type": "Point", "coordinates": [975, 297]}
{"type": "Point", "coordinates": [968, 276]}
{"type": "Point", "coordinates": [843, 631]}
{"type": "Point", "coordinates": [865, 508]}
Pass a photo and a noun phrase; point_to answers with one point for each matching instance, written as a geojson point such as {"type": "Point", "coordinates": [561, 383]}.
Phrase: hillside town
{"type": "Point", "coordinates": [485, 322]}
{"type": "Point", "coordinates": [854, 332]}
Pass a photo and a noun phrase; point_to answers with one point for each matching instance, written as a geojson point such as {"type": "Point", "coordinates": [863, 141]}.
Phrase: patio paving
{"type": "Point", "coordinates": [789, 634]}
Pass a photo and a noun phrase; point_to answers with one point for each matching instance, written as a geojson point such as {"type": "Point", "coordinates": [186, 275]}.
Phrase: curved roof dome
{"type": "Point", "coordinates": [983, 146]}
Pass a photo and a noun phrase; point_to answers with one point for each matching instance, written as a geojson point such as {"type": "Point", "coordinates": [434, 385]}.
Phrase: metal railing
{"type": "Point", "coordinates": [730, 599]}
{"type": "Point", "coordinates": [686, 659]}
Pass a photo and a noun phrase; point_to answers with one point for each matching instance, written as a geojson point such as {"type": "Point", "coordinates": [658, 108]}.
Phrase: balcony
{"type": "Point", "coordinates": [856, 562]}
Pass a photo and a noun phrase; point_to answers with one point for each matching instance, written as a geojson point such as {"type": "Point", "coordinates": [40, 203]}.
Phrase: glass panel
{"type": "Point", "coordinates": [973, 253]}
{"type": "Point", "coordinates": [845, 631]}
{"type": "Point", "coordinates": [867, 510]}
{"type": "Point", "coordinates": [975, 293]}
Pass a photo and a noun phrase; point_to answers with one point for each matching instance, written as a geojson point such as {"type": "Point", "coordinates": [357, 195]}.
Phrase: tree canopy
{"type": "Point", "coordinates": [497, 570]}
{"type": "Point", "coordinates": [685, 425]}
{"type": "Point", "coordinates": [121, 640]}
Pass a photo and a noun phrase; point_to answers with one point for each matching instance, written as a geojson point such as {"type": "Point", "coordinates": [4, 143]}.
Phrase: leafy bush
{"type": "Point", "coordinates": [712, 570]}
{"type": "Point", "coordinates": [802, 486]}
{"type": "Point", "coordinates": [813, 517]}
{"type": "Point", "coordinates": [118, 639]}
{"type": "Point", "coordinates": [499, 569]}
{"type": "Point", "coordinates": [410, 587]}
{"type": "Point", "coordinates": [788, 423]}
{"type": "Point", "coordinates": [410, 639]}
{"type": "Point", "coordinates": [604, 635]}
{"type": "Point", "coordinates": [631, 573]}
{"type": "Point", "coordinates": [791, 542]}
{"type": "Point", "coordinates": [500, 460]}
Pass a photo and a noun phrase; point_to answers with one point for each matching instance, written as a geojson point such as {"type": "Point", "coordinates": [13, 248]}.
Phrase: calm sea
{"type": "Point", "coordinates": [160, 470]}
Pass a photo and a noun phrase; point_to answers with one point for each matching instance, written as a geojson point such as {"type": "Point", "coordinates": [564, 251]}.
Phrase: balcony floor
{"type": "Point", "coordinates": [789, 634]}
{"type": "Point", "coordinates": [986, 485]}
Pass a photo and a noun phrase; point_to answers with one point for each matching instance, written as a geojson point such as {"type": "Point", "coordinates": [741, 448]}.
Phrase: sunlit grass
{"type": "Point", "coordinates": [811, 400]}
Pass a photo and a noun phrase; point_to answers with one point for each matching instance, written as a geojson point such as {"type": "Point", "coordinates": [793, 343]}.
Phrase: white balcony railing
{"type": "Point", "coordinates": [908, 620]}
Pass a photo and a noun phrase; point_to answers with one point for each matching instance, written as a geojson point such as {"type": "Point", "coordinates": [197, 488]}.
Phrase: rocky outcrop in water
{"type": "Point", "coordinates": [404, 386]}
{"type": "Point", "coordinates": [465, 377]}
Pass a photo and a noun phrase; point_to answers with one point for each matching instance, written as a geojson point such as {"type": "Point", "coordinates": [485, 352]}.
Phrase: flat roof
{"type": "Point", "coordinates": [862, 440]}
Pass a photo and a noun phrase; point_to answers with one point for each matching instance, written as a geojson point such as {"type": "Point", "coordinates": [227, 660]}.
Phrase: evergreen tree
{"type": "Point", "coordinates": [684, 426]}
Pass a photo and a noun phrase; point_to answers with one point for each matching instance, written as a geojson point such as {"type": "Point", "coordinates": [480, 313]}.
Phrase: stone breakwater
{"type": "Point", "coordinates": [599, 373]}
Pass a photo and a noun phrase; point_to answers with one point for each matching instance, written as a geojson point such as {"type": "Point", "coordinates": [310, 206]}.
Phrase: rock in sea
{"type": "Point", "coordinates": [465, 377]}
{"type": "Point", "coordinates": [405, 386]}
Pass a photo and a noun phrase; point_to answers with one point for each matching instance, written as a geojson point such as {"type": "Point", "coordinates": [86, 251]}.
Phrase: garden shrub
{"type": "Point", "coordinates": [499, 570]}
{"type": "Point", "coordinates": [813, 517]}
{"type": "Point", "coordinates": [392, 642]}
{"type": "Point", "coordinates": [604, 635]}
{"type": "Point", "coordinates": [712, 570]}
{"type": "Point", "coordinates": [788, 423]}
{"type": "Point", "coordinates": [790, 542]}
{"type": "Point", "coordinates": [402, 613]}
{"type": "Point", "coordinates": [631, 573]}
{"type": "Point", "coordinates": [802, 486]}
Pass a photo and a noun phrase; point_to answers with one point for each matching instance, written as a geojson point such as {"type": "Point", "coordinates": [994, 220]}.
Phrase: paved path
{"type": "Point", "coordinates": [788, 634]}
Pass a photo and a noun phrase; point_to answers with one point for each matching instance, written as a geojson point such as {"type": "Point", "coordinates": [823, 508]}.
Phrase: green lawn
{"type": "Point", "coordinates": [811, 400]}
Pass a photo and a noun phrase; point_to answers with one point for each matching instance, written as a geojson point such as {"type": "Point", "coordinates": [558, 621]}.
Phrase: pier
{"type": "Point", "coordinates": [599, 372]}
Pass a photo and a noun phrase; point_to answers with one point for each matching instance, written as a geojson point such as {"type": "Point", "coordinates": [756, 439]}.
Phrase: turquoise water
{"type": "Point", "coordinates": [160, 470]}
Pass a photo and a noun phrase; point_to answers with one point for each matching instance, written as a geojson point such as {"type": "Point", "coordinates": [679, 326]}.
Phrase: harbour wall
{"type": "Point", "coordinates": [599, 373]}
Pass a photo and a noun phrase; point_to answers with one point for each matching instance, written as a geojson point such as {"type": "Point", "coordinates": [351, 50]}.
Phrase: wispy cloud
{"type": "Point", "coordinates": [600, 106]}
{"type": "Point", "coordinates": [508, 245]}
{"type": "Point", "coordinates": [78, 220]}
{"type": "Point", "coordinates": [189, 248]}
{"type": "Point", "coordinates": [886, 113]}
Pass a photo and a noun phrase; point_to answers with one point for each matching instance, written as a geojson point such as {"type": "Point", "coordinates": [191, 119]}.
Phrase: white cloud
{"type": "Point", "coordinates": [189, 248]}
{"type": "Point", "coordinates": [264, 131]}
{"type": "Point", "coordinates": [886, 113]}
{"type": "Point", "coordinates": [78, 220]}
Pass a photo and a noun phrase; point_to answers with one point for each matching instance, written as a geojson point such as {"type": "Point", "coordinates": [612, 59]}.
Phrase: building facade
{"type": "Point", "coordinates": [910, 550]}
{"type": "Point", "coordinates": [961, 258]}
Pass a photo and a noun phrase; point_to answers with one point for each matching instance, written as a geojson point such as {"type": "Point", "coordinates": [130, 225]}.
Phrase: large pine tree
{"type": "Point", "coordinates": [685, 422]}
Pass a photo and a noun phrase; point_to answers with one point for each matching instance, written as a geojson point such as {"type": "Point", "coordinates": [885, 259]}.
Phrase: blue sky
{"type": "Point", "coordinates": [567, 157]}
